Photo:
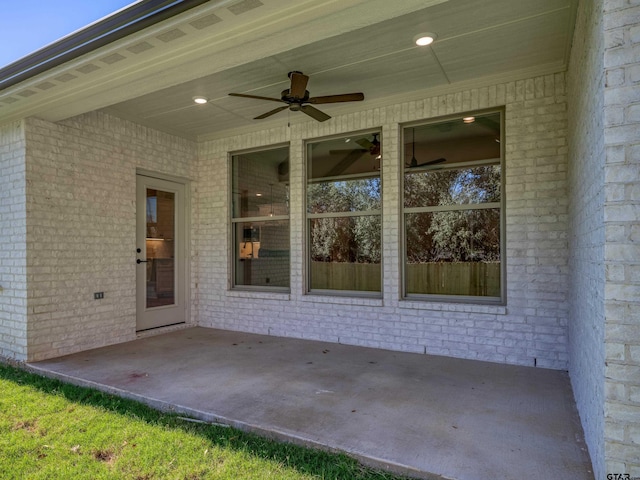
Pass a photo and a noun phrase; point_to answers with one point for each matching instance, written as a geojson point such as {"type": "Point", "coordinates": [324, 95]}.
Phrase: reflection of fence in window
{"type": "Point", "coordinates": [345, 253]}
{"type": "Point", "coordinates": [346, 276]}
{"type": "Point", "coordinates": [454, 278]}
{"type": "Point", "coordinates": [453, 250]}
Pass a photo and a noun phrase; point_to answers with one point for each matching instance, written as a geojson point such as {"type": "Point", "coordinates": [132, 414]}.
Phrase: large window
{"type": "Point", "coordinates": [260, 219]}
{"type": "Point", "coordinates": [343, 213]}
{"type": "Point", "coordinates": [453, 209]}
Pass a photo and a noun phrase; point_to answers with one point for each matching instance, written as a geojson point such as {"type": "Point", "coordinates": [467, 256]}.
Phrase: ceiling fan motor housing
{"type": "Point", "coordinates": [287, 97]}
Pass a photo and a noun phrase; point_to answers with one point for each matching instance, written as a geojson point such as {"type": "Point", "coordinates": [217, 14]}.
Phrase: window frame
{"type": "Point", "coordinates": [348, 214]}
{"type": "Point", "coordinates": [232, 286]}
{"type": "Point", "coordinates": [440, 298]}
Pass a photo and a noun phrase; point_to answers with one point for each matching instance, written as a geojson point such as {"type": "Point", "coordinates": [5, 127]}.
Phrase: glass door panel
{"type": "Point", "coordinates": [160, 247]}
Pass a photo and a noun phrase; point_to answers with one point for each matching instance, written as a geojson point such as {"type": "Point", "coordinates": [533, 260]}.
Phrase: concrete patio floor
{"type": "Point", "coordinates": [432, 417]}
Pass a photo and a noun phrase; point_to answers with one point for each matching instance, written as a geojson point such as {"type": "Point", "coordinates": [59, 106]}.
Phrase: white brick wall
{"type": "Point", "coordinates": [621, 26]}
{"type": "Point", "coordinates": [13, 243]}
{"type": "Point", "coordinates": [587, 239]}
{"type": "Point", "coordinates": [81, 188]}
{"type": "Point", "coordinates": [534, 323]}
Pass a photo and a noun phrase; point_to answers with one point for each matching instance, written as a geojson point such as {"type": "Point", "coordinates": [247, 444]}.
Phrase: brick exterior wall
{"type": "Point", "coordinates": [585, 81]}
{"type": "Point", "coordinates": [621, 26]}
{"type": "Point", "coordinates": [13, 243]}
{"type": "Point", "coordinates": [81, 202]}
{"type": "Point", "coordinates": [533, 325]}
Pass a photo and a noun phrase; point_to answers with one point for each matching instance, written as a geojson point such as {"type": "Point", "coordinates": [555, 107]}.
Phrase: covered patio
{"type": "Point", "coordinates": [471, 200]}
{"type": "Point", "coordinates": [422, 415]}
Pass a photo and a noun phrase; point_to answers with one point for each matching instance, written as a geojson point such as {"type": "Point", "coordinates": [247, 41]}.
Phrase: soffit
{"type": "Point", "coordinates": [343, 46]}
{"type": "Point", "coordinates": [211, 38]}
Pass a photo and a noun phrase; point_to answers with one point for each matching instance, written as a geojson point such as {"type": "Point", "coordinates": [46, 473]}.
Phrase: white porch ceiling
{"type": "Point", "coordinates": [347, 46]}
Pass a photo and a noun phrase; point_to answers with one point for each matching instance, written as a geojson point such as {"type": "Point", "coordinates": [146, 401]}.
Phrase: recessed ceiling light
{"type": "Point", "coordinates": [258, 194]}
{"type": "Point", "coordinates": [424, 39]}
{"type": "Point", "coordinates": [469, 119]}
{"type": "Point", "coordinates": [200, 100]}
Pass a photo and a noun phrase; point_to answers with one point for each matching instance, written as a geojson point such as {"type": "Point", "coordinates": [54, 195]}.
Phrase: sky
{"type": "Point", "coordinates": [28, 25]}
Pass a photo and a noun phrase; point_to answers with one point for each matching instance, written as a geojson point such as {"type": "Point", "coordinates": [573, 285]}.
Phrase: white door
{"type": "Point", "coordinates": [161, 257]}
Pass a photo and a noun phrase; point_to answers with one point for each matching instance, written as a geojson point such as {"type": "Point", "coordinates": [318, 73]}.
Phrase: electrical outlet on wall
{"type": "Point", "coordinates": [98, 295]}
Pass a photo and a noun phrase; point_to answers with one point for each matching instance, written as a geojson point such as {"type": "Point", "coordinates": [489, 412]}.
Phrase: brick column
{"type": "Point", "coordinates": [622, 231]}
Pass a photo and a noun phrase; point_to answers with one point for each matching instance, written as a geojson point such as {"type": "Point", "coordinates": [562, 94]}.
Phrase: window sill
{"type": "Point", "coordinates": [260, 294]}
{"type": "Point", "coordinates": [419, 304]}
{"type": "Point", "coordinates": [364, 301]}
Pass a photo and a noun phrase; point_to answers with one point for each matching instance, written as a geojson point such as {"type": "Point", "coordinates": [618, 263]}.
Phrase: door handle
{"type": "Point", "coordinates": [141, 261]}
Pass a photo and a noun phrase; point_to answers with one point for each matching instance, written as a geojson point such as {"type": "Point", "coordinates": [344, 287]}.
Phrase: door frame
{"type": "Point", "coordinates": [186, 247]}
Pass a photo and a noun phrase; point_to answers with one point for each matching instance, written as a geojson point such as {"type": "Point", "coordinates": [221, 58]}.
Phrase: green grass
{"type": "Point", "coordinates": [51, 430]}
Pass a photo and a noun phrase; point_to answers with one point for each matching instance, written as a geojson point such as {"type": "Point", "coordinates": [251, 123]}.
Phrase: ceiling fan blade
{"type": "Point", "coordinates": [365, 143]}
{"type": "Point", "coordinates": [342, 152]}
{"type": "Point", "coordinates": [488, 122]}
{"type": "Point", "coordinates": [314, 113]}
{"type": "Point", "coordinates": [298, 84]}
{"type": "Point", "coordinates": [345, 97]}
{"type": "Point", "coordinates": [272, 112]}
{"type": "Point", "coordinates": [345, 163]}
{"type": "Point", "coordinates": [433, 162]}
{"type": "Point", "coordinates": [243, 95]}
{"type": "Point", "coordinates": [426, 164]}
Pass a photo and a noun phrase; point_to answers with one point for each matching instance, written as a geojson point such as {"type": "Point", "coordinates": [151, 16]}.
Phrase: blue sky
{"type": "Point", "coordinates": [28, 25]}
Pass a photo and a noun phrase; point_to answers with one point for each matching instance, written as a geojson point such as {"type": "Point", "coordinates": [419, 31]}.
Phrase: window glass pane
{"type": "Point", "coordinates": [262, 253]}
{"type": "Point", "coordinates": [452, 187]}
{"type": "Point", "coordinates": [261, 183]}
{"type": "Point", "coordinates": [344, 196]}
{"type": "Point", "coordinates": [452, 249]}
{"type": "Point", "coordinates": [344, 178]}
{"type": "Point", "coordinates": [345, 253]}
{"type": "Point", "coordinates": [449, 143]}
{"type": "Point", "coordinates": [454, 252]}
{"type": "Point", "coordinates": [354, 156]}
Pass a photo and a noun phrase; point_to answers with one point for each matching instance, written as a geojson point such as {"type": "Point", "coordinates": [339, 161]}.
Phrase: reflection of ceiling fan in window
{"type": "Point", "coordinates": [413, 163]}
{"type": "Point", "coordinates": [371, 146]}
{"type": "Point", "coordinates": [297, 97]}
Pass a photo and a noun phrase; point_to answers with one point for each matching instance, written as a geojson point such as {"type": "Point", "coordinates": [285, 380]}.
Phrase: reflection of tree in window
{"type": "Point", "coordinates": [454, 235]}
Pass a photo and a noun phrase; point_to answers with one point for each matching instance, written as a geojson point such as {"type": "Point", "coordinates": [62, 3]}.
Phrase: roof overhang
{"type": "Point", "coordinates": [250, 45]}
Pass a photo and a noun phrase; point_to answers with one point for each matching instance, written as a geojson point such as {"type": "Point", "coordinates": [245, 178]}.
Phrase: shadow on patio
{"type": "Point", "coordinates": [416, 414]}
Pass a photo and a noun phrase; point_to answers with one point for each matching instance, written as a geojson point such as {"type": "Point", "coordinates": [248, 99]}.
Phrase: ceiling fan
{"type": "Point", "coordinates": [414, 162]}
{"type": "Point", "coordinates": [371, 146]}
{"type": "Point", "coordinates": [297, 98]}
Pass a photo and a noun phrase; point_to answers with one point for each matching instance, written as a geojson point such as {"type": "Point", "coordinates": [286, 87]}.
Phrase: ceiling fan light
{"type": "Point", "coordinates": [424, 39]}
{"type": "Point", "coordinates": [200, 100]}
